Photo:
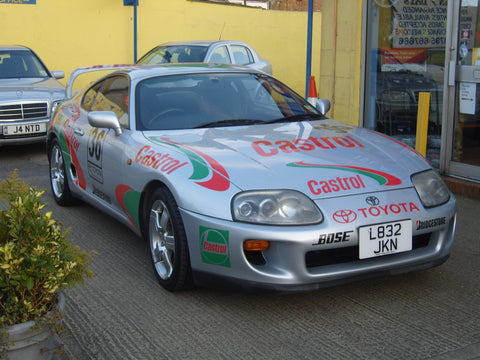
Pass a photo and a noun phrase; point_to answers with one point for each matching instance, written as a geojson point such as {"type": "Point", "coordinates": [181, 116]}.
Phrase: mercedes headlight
{"type": "Point", "coordinates": [275, 207]}
{"type": "Point", "coordinates": [55, 106]}
{"type": "Point", "coordinates": [430, 188]}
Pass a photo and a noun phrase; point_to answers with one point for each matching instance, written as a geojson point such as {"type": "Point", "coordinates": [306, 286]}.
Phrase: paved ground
{"type": "Point", "coordinates": [123, 314]}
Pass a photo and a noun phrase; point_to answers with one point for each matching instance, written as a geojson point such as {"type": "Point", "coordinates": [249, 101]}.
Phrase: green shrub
{"type": "Point", "coordinates": [36, 258]}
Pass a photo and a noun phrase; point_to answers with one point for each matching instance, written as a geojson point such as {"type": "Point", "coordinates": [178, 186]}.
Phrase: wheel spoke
{"type": "Point", "coordinates": [164, 221]}
{"type": "Point", "coordinates": [168, 263]}
{"type": "Point", "coordinates": [170, 242]}
{"type": "Point", "coordinates": [57, 176]}
{"type": "Point", "coordinates": [162, 241]}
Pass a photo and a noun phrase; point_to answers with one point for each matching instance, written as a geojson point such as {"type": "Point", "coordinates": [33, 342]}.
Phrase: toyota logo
{"type": "Point", "coordinates": [372, 201]}
{"type": "Point", "coordinates": [344, 216]}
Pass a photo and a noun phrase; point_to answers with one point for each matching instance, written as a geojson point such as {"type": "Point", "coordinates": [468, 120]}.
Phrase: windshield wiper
{"type": "Point", "coordinates": [229, 122]}
{"type": "Point", "coordinates": [295, 118]}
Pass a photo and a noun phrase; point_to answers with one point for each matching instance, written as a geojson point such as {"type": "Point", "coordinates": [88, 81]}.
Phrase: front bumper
{"type": "Point", "coordinates": [295, 262]}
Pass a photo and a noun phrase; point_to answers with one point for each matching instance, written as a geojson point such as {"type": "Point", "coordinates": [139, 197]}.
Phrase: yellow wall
{"type": "Point", "coordinates": [340, 65]}
{"type": "Point", "coordinates": [279, 36]}
{"type": "Point", "coordinates": [70, 33]}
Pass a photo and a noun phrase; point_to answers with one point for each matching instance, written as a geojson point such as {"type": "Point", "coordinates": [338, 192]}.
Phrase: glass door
{"type": "Point", "coordinates": [462, 153]}
{"type": "Point", "coordinates": [405, 56]}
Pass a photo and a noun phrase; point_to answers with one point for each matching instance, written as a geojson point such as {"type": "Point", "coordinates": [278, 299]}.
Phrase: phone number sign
{"type": "Point", "coordinates": [423, 23]}
{"type": "Point", "coordinates": [419, 23]}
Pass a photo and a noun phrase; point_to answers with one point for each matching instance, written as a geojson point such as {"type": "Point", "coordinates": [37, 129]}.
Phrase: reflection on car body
{"type": "Point", "coordinates": [235, 180]}
{"type": "Point", "coordinates": [28, 92]}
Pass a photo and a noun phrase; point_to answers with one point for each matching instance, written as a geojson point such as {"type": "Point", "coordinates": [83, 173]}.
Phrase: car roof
{"type": "Point", "coordinates": [202, 42]}
{"type": "Point", "coordinates": [139, 72]}
{"type": "Point", "coordinates": [145, 71]}
{"type": "Point", "coordinates": [14, 47]}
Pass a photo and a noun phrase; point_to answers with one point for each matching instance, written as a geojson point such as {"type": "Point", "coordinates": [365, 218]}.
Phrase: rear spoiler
{"type": "Point", "coordinates": [75, 73]}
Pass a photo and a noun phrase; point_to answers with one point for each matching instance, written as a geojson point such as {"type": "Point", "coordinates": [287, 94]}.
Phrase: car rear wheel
{"type": "Point", "coordinates": [168, 242]}
{"type": "Point", "coordinates": [58, 175]}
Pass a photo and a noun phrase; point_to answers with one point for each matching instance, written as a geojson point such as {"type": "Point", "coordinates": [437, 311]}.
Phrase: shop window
{"type": "Point", "coordinates": [405, 56]}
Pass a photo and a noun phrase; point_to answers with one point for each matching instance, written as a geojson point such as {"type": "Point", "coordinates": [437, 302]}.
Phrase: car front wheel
{"type": "Point", "coordinates": [168, 242]}
{"type": "Point", "coordinates": [58, 175]}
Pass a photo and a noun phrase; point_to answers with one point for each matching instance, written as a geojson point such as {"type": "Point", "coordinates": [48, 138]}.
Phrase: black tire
{"type": "Point", "coordinates": [168, 242]}
{"type": "Point", "coordinates": [58, 175]}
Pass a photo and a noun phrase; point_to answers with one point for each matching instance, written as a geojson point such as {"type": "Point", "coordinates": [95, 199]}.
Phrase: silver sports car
{"type": "Point", "coordinates": [234, 180]}
{"type": "Point", "coordinates": [28, 92]}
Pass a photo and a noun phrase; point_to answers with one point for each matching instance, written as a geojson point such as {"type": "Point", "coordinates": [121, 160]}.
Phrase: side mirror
{"type": "Point", "coordinates": [323, 105]}
{"type": "Point", "coordinates": [58, 74]}
{"type": "Point", "coordinates": [105, 119]}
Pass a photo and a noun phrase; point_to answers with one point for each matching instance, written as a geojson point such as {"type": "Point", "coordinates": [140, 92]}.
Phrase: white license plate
{"type": "Point", "coordinates": [24, 129]}
{"type": "Point", "coordinates": [385, 239]}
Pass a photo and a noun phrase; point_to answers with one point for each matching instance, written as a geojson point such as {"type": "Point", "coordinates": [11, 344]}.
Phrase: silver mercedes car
{"type": "Point", "coordinates": [234, 180]}
{"type": "Point", "coordinates": [28, 92]}
{"type": "Point", "coordinates": [222, 52]}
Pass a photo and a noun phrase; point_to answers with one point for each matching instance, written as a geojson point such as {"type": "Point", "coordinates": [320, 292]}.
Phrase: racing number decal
{"type": "Point", "coordinates": [95, 145]}
{"type": "Point", "coordinates": [94, 156]}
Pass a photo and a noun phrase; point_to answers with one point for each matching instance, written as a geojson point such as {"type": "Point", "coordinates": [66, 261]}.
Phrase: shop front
{"type": "Point", "coordinates": [426, 46]}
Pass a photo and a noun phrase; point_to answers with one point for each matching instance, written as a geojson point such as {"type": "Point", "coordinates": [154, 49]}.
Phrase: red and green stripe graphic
{"type": "Point", "coordinates": [204, 167]}
{"type": "Point", "coordinates": [129, 200]}
{"type": "Point", "coordinates": [381, 177]}
{"type": "Point", "coordinates": [66, 144]}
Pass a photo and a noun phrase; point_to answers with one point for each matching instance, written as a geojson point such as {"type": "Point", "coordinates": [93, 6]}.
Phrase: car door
{"type": "Point", "coordinates": [104, 150]}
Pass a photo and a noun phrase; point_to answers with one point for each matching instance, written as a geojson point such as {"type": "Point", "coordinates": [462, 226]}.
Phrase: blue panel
{"type": "Point", "coordinates": [19, 2]}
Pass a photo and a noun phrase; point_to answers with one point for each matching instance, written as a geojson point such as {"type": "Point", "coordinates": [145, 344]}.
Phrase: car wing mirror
{"type": "Point", "coordinates": [58, 74]}
{"type": "Point", "coordinates": [323, 105]}
{"type": "Point", "coordinates": [105, 119]}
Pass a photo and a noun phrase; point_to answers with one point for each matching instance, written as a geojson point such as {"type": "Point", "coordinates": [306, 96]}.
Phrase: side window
{"type": "Point", "coordinates": [89, 97]}
{"type": "Point", "coordinates": [241, 55]}
{"type": "Point", "coordinates": [220, 55]}
{"type": "Point", "coordinates": [112, 96]}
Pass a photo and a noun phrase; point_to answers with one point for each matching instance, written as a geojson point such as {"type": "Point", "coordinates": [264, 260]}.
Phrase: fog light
{"type": "Point", "coordinates": [256, 245]}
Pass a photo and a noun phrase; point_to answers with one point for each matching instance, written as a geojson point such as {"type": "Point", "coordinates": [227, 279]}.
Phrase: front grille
{"type": "Point", "coordinates": [350, 253]}
{"type": "Point", "coordinates": [27, 111]}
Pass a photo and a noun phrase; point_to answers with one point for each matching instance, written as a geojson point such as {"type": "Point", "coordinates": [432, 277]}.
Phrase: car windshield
{"type": "Point", "coordinates": [20, 64]}
{"type": "Point", "coordinates": [174, 54]}
{"type": "Point", "coordinates": [214, 100]}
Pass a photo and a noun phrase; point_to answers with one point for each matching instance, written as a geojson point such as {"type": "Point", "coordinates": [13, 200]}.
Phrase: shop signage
{"type": "Point", "coordinates": [423, 23]}
{"type": "Point", "coordinates": [19, 2]}
{"type": "Point", "coordinates": [399, 59]}
{"type": "Point", "coordinates": [419, 24]}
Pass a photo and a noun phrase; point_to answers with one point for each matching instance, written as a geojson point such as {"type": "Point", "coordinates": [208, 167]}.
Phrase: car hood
{"type": "Point", "coordinates": [320, 158]}
{"type": "Point", "coordinates": [26, 89]}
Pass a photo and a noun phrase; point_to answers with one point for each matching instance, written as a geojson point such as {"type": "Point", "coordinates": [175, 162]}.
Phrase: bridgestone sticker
{"type": "Point", "coordinates": [214, 247]}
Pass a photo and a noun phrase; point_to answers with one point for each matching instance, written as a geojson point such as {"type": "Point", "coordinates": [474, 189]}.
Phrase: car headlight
{"type": "Point", "coordinates": [430, 188]}
{"type": "Point", "coordinates": [275, 207]}
{"type": "Point", "coordinates": [55, 105]}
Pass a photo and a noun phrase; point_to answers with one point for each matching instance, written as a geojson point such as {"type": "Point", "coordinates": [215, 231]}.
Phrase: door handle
{"type": "Point", "coordinates": [78, 131]}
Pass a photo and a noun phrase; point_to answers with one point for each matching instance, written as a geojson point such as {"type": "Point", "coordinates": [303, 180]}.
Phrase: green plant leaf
{"type": "Point", "coordinates": [30, 283]}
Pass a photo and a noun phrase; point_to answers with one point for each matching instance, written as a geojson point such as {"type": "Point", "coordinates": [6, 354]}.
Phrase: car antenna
{"type": "Point", "coordinates": [221, 32]}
